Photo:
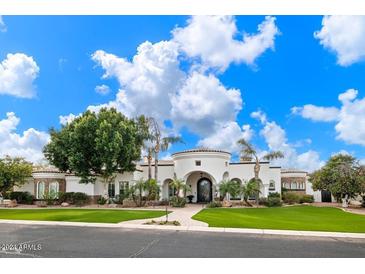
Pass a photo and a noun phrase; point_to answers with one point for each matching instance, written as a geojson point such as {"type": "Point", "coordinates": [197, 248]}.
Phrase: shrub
{"type": "Point", "coordinates": [80, 198]}
{"type": "Point", "coordinates": [77, 198]}
{"type": "Point", "coordinates": [363, 201]}
{"type": "Point", "coordinates": [263, 201]}
{"type": "Point", "coordinates": [66, 197]}
{"type": "Point", "coordinates": [21, 197]}
{"type": "Point", "coordinates": [274, 202]}
{"type": "Point", "coordinates": [49, 197]}
{"type": "Point", "coordinates": [101, 201]}
{"type": "Point", "coordinates": [274, 195]}
{"type": "Point", "coordinates": [306, 199]}
{"type": "Point", "coordinates": [178, 201]}
{"type": "Point", "coordinates": [118, 199]}
{"type": "Point", "coordinates": [291, 198]}
{"type": "Point", "coordinates": [214, 204]}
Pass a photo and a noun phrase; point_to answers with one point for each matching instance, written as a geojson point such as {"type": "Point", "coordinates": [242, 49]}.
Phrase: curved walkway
{"type": "Point", "coordinates": [182, 215]}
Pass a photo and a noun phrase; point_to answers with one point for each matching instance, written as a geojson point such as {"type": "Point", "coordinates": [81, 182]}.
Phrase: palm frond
{"type": "Point", "coordinates": [247, 149]}
{"type": "Point", "coordinates": [166, 141]}
{"type": "Point", "coordinates": [273, 155]}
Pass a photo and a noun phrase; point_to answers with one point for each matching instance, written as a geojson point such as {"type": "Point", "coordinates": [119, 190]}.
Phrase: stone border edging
{"type": "Point", "coordinates": [195, 228]}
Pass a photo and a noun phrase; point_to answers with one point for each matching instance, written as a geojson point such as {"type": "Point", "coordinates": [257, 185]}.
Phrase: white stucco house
{"type": "Point", "coordinates": [201, 169]}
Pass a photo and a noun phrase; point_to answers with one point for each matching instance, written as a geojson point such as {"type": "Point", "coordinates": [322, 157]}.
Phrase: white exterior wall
{"type": "Point", "coordinates": [27, 187]}
{"type": "Point", "coordinates": [316, 194]}
{"type": "Point", "coordinates": [213, 163]}
{"type": "Point", "coordinates": [245, 172]}
{"type": "Point", "coordinates": [73, 185]}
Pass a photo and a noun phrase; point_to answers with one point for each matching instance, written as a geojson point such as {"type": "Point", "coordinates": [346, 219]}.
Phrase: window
{"type": "Point", "coordinates": [40, 190]}
{"type": "Point", "coordinates": [198, 163]}
{"type": "Point", "coordinates": [123, 188]}
{"type": "Point", "coordinates": [287, 185]}
{"type": "Point", "coordinates": [53, 189]}
{"type": "Point", "coordinates": [294, 185]}
{"type": "Point", "coordinates": [111, 190]}
{"type": "Point", "coordinates": [272, 185]}
{"type": "Point", "coordinates": [171, 191]}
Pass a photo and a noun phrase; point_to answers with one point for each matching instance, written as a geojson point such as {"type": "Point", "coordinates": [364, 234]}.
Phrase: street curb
{"type": "Point", "coordinates": [195, 229]}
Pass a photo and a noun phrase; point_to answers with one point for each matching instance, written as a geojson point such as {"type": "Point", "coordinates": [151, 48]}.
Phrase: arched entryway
{"type": "Point", "coordinates": [204, 190]}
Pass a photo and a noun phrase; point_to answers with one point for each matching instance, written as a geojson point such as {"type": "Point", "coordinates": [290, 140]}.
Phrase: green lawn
{"type": "Point", "coordinates": [288, 218]}
{"type": "Point", "coordinates": [79, 215]}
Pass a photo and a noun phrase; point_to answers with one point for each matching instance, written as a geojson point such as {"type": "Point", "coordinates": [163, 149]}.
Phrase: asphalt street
{"type": "Point", "coordinates": [85, 242]}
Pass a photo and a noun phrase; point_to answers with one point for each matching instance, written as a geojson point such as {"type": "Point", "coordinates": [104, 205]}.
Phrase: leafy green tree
{"type": "Point", "coordinates": [13, 172]}
{"type": "Point", "coordinates": [342, 176]}
{"type": "Point", "coordinates": [248, 152]}
{"type": "Point", "coordinates": [97, 145]}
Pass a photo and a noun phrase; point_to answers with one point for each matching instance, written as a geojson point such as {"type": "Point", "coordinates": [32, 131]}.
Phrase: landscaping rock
{"type": "Point", "coordinates": [355, 204]}
{"type": "Point", "coordinates": [12, 203]}
{"type": "Point", "coordinates": [65, 204]}
{"type": "Point", "coordinates": [128, 203]}
{"type": "Point", "coordinates": [227, 204]}
{"type": "Point", "coordinates": [112, 205]}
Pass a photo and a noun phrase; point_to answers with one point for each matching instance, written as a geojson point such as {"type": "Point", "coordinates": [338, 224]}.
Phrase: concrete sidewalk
{"type": "Point", "coordinates": [182, 215]}
{"type": "Point", "coordinates": [194, 228]}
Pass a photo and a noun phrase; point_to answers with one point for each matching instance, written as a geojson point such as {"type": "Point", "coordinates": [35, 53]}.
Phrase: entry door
{"type": "Point", "coordinates": [204, 190]}
{"type": "Point", "coordinates": [326, 196]}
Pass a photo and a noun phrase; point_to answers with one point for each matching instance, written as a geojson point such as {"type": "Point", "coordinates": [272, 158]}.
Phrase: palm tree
{"type": "Point", "coordinates": [178, 185]}
{"type": "Point", "coordinates": [248, 152]}
{"type": "Point", "coordinates": [164, 146]}
{"type": "Point", "coordinates": [228, 187]}
{"type": "Point", "coordinates": [157, 144]}
{"type": "Point", "coordinates": [248, 190]}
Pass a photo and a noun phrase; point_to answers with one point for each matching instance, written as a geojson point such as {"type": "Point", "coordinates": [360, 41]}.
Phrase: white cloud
{"type": "Point", "coordinates": [29, 144]}
{"type": "Point", "coordinates": [226, 136]}
{"type": "Point", "coordinates": [65, 119]}
{"type": "Point", "coordinates": [147, 81]}
{"type": "Point", "coordinates": [345, 36]}
{"type": "Point", "coordinates": [351, 125]}
{"type": "Point", "coordinates": [152, 81]}
{"type": "Point", "coordinates": [203, 102]}
{"type": "Point", "coordinates": [314, 113]}
{"type": "Point", "coordinates": [2, 25]}
{"type": "Point", "coordinates": [102, 89]}
{"type": "Point", "coordinates": [212, 39]}
{"type": "Point", "coordinates": [17, 73]}
{"type": "Point", "coordinates": [349, 118]}
{"type": "Point", "coordinates": [276, 139]}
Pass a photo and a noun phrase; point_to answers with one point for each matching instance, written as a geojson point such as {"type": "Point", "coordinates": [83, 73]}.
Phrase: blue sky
{"type": "Point", "coordinates": [287, 66]}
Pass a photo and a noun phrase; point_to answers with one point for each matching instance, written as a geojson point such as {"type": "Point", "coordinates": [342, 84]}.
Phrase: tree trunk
{"type": "Point", "coordinates": [149, 159]}
{"type": "Point", "coordinates": [345, 202]}
{"type": "Point", "coordinates": [257, 172]}
{"type": "Point", "coordinates": [156, 166]}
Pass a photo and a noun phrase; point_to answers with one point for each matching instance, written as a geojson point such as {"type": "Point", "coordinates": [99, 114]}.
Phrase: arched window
{"type": "Point", "coordinates": [272, 185]}
{"type": "Point", "coordinates": [294, 185]}
{"type": "Point", "coordinates": [53, 189]}
{"type": "Point", "coordinates": [40, 190]}
{"type": "Point", "coordinates": [225, 176]}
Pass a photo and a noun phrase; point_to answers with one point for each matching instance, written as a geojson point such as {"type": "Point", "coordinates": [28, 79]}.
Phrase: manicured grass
{"type": "Point", "coordinates": [285, 218]}
{"type": "Point", "coordinates": [79, 215]}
